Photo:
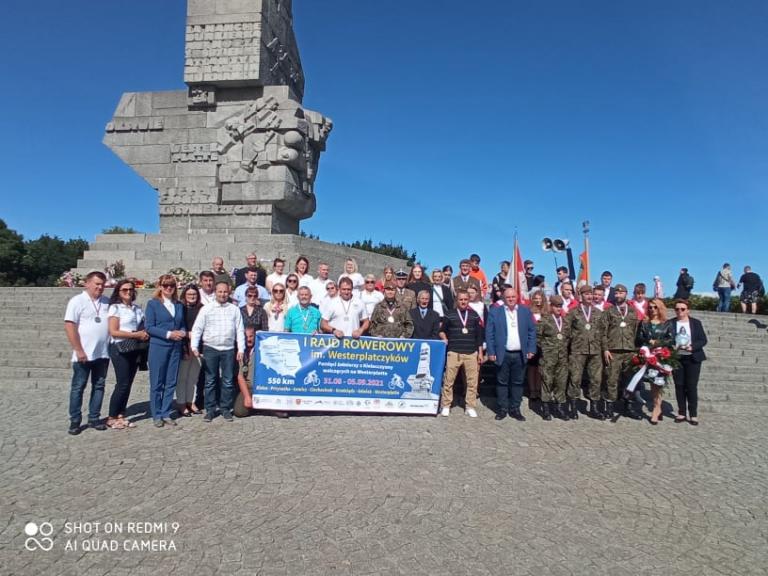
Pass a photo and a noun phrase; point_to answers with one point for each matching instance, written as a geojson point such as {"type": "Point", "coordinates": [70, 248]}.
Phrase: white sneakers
{"type": "Point", "coordinates": [446, 411]}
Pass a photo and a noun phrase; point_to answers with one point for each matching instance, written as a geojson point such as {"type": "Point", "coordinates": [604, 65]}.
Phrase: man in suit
{"type": "Point", "coordinates": [426, 322]}
{"type": "Point", "coordinates": [690, 340]}
{"type": "Point", "coordinates": [510, 338]}
{"type": "Point", "coordinates": [610, 292]}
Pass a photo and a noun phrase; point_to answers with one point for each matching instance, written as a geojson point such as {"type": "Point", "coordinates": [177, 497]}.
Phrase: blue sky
{"type": "Point", "coordinates": [456, 124]}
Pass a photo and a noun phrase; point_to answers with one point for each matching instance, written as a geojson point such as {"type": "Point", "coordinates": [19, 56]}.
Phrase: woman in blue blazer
{"type": "Point", "coordinates": [164, 321]}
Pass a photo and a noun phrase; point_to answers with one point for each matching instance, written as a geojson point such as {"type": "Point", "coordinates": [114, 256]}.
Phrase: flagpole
{"type": "Point", "coordinates": [585, 228]}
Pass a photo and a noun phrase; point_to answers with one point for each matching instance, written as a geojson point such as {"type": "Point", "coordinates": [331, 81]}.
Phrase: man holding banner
{"type": "Point", "coordinates": [391, 318]}
{"type": "Point", "coordinates": [303, 318]}
{"type": "Point", "coordinates": [345, 315]}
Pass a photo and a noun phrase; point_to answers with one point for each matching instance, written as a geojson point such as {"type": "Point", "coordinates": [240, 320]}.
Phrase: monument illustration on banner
{"type": "Point", "coordinates": [234, 158]}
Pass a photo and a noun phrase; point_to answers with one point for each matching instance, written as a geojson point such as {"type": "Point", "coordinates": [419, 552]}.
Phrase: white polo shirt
{"type": "Point", "coordinates": [345, 315]}
{"type": "Point", "coordinates": [94, 335]}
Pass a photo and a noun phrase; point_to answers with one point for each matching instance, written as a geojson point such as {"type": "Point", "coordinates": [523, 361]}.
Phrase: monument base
{"type": "Point", "coordinates": [147, 256]}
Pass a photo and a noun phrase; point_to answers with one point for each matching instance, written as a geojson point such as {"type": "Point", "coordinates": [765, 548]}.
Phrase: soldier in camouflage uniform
{"type": "Point", "coordinates": [390, 318]}
{"type": "Point", "coordinates": [553, 340]}
{"type": "Point", "coordinates": [619, 333]}
{"type": "Point", "coordinates": [584, 324]}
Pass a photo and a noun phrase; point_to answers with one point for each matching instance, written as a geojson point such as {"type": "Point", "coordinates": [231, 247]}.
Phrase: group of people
{"type": "Point", "coordinates": [197, 340]}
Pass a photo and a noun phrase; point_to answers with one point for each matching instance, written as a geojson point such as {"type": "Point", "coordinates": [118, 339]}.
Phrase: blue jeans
{"type": "Point", "coordinates": [215, 361]}
{"type": "Point", "coordinates": [725, 299]}
{"type": "Point", "coordinates": [163, 374]}
{"type": "Point", "coordinates": [509, 381]}
{"type": "Point", "coordinates": [97, 370]}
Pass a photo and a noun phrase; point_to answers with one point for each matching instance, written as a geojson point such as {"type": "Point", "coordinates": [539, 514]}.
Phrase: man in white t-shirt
{"type": "Point", "coordinates": [345, 315]}
{"type": "Point", "coordinates": [319, 284]}
{"type": "Point", "coordinates": [86, 325]}
{"type": "Point", "coordinates": [277, 276]}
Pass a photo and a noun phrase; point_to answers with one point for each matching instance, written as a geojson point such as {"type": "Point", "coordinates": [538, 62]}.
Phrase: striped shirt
{"type": "Point", "coordinates": [220, 326]}
{"type": "Point", "coordinates": [458, 341]}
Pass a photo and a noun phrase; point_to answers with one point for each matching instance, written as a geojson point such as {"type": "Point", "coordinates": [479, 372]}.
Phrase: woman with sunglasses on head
{"type": "Point", "coordinates": [653, 331]}
{"type": "Point", "coordinates": [125, 325]}
{"type": "Point", "coordinates": [189, 369]}
{"type": "Point", "coordinates": [276, 308]}
{"type": "Point", "coordinates": [167, 329]}
{"type": "Point", "coordinates": [690, 339]}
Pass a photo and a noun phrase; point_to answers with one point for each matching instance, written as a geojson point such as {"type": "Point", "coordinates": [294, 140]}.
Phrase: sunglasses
{"type": "Point", "coordinates": [127, 290]}
{"type": "Point", "coordinates": [278, 291]}
{"type": "Point", "coordinates": [654, 307]}
{"type": "Point", "coordinates": [529, 269]}
{"type": "Point", "coordinates": [169, 285]}
{"type": "Point", "coordinates": [370, 281]}
{"type": "Point", "coordinates": [680, 309]}
{"type": "Point", "coordinates": [252, 295]}
{"type": "Point", "coordinates": [293, 281]}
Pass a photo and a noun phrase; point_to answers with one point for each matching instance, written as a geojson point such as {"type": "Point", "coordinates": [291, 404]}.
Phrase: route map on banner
{"type": "Point", "coordinates": [303, 372]}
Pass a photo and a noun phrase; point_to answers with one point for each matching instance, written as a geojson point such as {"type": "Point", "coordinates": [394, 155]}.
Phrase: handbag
{"type": "Point", "coordinates": [131, 345]}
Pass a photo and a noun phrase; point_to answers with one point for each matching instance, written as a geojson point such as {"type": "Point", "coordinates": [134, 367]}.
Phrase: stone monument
{"type": "Point", "coordinates": [234, 157]}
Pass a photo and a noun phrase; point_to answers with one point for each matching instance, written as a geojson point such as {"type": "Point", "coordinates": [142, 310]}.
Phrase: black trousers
{"type": "Point", "coordinates": [125, 366]}
{"type": "Point", "coordinates": [509, 382]}
{"type": "Point", "coordinates": [687, 386]}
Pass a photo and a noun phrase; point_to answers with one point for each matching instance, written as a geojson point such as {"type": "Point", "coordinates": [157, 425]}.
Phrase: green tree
{"type": "Point", "coordinates": [388, 249]}
{"type": "Point", "coordinates": [48, 257]}
{"type": "Point", "coordinates": [120, 230]}
{"type": "Point", "coordinates": [11, 255]}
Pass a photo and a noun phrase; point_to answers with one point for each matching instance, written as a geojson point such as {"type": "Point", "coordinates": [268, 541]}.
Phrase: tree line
{"type": "Point", "coordinates": [37, 262]}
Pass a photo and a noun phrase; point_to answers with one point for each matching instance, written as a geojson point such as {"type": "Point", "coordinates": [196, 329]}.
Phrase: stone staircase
{"type": "Point", "coordinates": [34, 352]}
{"type": "Point", "coordinates": [147, 256]}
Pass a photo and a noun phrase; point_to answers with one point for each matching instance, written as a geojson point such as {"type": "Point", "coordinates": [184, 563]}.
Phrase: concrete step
{"type": "Point", "coordinates": [735, 397]}
{"type": "Point", "coordinates": [735, 387]}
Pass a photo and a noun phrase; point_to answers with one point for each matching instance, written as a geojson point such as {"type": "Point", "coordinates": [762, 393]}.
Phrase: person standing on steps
{"type": "Point", "coordinates": [724, 285]}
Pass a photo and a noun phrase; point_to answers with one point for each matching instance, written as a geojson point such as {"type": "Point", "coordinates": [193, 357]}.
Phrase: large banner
{"type": "Point", "coordinates": [323, 373]}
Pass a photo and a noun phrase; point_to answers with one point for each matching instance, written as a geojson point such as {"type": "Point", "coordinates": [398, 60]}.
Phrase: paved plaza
{"type": "Point", "coordinates": [380, 495]}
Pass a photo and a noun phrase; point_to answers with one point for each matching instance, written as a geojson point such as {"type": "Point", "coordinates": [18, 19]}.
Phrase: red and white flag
{"type": "Point", "coordinates": [516, 277]}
